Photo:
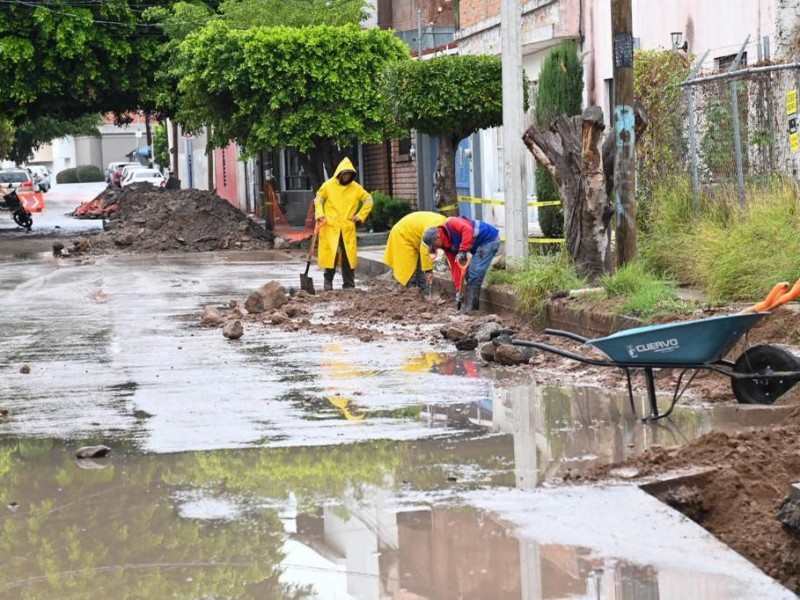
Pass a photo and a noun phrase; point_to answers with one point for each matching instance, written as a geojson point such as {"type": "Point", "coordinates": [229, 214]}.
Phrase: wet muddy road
{"type": "Point", "coordinates": [290, 465]}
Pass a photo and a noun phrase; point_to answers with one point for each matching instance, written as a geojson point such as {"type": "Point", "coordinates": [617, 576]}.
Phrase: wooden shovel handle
{"type": "Point", "coordinates": [313, 243]}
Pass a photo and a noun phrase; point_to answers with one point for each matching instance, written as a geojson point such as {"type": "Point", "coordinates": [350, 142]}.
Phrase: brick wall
{"type": "Point", "coordinates": [404, 176]}
{"type": "Point", "coordinates": [404, 13]}
{"type": "Point", "coordinates": [376, 172]}
{"type": "Point", "coordinates": [472, 12]}
{"type": "Point", "coordinates": [375, 176]}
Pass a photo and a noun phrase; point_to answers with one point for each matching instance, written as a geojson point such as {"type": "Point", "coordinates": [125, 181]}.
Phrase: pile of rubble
{"type": "Point", "coordinates": [142, 218]}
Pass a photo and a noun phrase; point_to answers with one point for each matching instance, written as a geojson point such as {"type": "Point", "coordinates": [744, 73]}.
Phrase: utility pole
{"type": "Point", "coordinates": [516, 201]}
{"type": "Point", "coordinates": [624, 121]}
{"type": "Point", "coordinates": [210, 156]}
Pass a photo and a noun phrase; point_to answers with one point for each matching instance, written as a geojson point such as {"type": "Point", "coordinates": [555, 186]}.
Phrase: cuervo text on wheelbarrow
{"type": "Point", "coordinates": [661, 346]}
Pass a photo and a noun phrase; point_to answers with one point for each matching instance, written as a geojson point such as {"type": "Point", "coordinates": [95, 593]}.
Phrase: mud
{"type": "Point", "coordinates": [749, 472]}
{"type": "Point", "coordinates": [745, 477]}
{"type": "Point", "coordinates": [144, 219]}
{"type": "Point", "coordinates": [381, 309]}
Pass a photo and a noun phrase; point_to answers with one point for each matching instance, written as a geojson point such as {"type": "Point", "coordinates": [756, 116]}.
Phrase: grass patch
{"type": "Point", "coordinates": [535, 279]}
{"type": "Point", "coordinates": [729, 252]}
{"type": "Point", "coordinates": [645, 294]}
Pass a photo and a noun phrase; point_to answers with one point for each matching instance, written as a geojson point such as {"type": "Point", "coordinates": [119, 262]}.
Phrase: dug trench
{"type": "Point", "coordinates": [744, 477]}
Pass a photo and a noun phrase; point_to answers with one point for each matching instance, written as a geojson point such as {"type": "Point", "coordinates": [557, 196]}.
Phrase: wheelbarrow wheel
{"type": "Point", "coordinates": [763, 359]}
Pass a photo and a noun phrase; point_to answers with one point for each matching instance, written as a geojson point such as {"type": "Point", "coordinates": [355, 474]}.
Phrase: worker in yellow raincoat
{"type": "Point", "coordinates": [336, 209]}
{"type": "Point", "coordinates": [409, 260]}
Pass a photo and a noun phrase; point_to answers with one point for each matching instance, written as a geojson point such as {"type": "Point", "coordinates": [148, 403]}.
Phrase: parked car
{"type": "Point", "coordinates": [121, 171]}
{"type": "Point", "coordinates": [113, 165]}
{"type": "Point", "coordinates": [18, 179]}
{"type": "Point", "coordinates": [145, 176]}
{"type": "Point", "coordinates": [41, 176]}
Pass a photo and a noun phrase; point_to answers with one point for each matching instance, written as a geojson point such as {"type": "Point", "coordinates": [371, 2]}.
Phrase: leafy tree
{"type": "Point", "coordinates": [449, 97]}
{"type": "Point", "coordinates": [64, 60]}
{"type": "Point", "coordinates": [314, 89]}
{"type": "Point", "coordinates": [560, 92]}
{"type": "Point", "coordinates": [293, 13]}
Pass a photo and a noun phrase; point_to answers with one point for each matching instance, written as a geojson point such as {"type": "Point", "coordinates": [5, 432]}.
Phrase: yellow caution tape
{"type": "Point", "coordinates": [495, 202]}
{"type": "Point", "coordinates": [538, 240]}
{"type": "Point", "coordinates": [501, 202]}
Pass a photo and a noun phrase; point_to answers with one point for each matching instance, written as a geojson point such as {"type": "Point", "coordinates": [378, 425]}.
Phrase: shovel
{"type": "Point", "coordinates": [306, 283]}
{"type": "Point", "coordinates": [460, 295]}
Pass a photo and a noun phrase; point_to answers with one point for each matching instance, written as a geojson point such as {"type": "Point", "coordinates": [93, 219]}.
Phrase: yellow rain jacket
{"type": "Point", "coordinates": [404, 246]}
{"type": "Point", "coordinates": [338, 204]}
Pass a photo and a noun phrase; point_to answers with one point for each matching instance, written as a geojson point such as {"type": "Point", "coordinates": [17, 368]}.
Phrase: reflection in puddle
{"type": "Point", "coordinates": [374, 520]}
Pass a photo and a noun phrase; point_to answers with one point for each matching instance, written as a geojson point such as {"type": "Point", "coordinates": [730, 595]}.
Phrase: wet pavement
{"type": "Point", "coordinates": [285, 465]}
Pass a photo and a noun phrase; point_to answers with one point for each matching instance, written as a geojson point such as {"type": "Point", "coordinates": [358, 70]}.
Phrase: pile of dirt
{"type": "Point", "coordinates": [745, 477]}
{"type": "Point", "coordinates": [149, 219]}
{"type": "Point", "coordinates": [385, 310]}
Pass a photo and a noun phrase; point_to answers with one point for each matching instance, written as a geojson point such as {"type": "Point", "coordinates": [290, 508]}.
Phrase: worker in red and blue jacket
{"type": "Point", "coordinates": [461, 237]}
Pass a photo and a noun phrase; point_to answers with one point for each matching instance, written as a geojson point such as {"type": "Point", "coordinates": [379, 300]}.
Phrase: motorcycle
{"type": "Point", "coordinates": [19, 213]}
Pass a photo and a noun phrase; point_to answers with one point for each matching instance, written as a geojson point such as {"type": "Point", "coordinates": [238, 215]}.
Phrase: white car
{"type": "Point", "coordinates": [150, 176]}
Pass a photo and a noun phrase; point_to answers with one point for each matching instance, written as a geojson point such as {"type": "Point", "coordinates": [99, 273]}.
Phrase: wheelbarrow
{"type": "Point", "coordinates": [760, 375]}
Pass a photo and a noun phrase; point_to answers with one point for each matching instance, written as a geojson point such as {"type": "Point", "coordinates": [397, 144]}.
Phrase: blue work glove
{"type": "Point", "coordinates": [461, 258]}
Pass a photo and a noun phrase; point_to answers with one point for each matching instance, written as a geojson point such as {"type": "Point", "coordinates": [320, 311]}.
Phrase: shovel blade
{"type": "Point", "coordinates": [307, 284]}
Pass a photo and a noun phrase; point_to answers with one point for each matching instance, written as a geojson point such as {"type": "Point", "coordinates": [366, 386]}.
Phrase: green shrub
{"type": "Point", "coordinates": [67, 176]}
{"type": "Point", "coordinates": [81, 174]}
{"type": "Point", "coordinates": [386, 211]}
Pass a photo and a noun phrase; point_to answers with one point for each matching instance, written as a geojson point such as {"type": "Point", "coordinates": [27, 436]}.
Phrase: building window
{"type": "Point", "coordinates": [404, 147]}
{"type": "Point", "coordinates": [724, 62]}
{"type": "Point", "coordinates": [296, 178]}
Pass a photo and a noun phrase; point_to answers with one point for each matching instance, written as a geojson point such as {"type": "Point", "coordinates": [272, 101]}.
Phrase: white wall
{"type": "Point", "coordinates": [720, 27]}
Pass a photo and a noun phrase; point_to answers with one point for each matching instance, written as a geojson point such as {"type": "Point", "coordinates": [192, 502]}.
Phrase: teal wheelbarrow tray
{"type": "Point", "coordinates": [760, 375]}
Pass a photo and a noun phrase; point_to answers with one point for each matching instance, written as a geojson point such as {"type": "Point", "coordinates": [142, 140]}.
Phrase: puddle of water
{"type": "Point", "coordinates": [346, 521]}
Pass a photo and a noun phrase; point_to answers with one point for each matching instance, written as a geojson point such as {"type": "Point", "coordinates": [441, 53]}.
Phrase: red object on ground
{"type": "Point", "coordinates": [32, 201]}
{"type": "Point", "coordinates": [94, 209]}
{"type": "Point", "coordinates": [281, 227]}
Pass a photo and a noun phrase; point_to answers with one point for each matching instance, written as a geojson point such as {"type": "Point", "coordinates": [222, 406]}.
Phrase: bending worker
{"type": "Point", "coordinates": [336, 209]}
{"type": "Point", "coordinates": [409, 260]}
{"type": "Point", "coordinates": [459, 237]}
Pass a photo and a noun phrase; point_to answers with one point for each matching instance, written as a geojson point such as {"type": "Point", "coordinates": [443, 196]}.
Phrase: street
{"type": "Point", "coordinates": [293, 465]}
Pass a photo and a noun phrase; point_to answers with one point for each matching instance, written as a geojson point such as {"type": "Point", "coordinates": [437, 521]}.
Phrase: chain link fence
{"type": "Point", "coordinates": [740, 123]}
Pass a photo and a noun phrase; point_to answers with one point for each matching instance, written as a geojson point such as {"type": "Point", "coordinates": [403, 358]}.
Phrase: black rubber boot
{"type": "Point", "coordinates": [473, 297]}
{"type": "Point", "coordinates": [328, 284]}
{"type": "Point", "coordinates": [348, 274]}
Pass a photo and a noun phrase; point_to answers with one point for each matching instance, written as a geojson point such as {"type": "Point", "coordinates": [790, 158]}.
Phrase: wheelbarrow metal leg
{"type": "Point", "coordinates": [651, 392]}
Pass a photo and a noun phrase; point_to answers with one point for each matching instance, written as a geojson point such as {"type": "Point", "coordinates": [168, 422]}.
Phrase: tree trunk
{"type": "Point", "coordinates": [444, 176]}
{"type": "Point", "coordinates": [149, 137]}
{"type": "Point", "coordinates": [570, 150]}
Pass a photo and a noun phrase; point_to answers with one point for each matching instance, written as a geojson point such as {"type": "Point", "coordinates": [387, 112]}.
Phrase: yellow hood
{"type": "Point", "coordinates": [345, 165]}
